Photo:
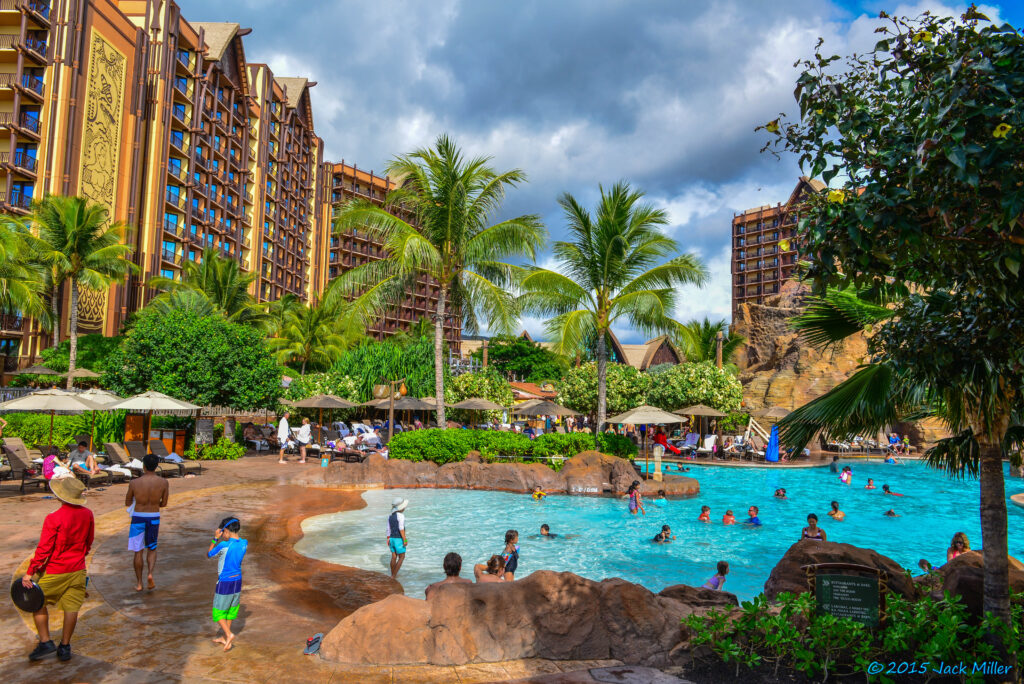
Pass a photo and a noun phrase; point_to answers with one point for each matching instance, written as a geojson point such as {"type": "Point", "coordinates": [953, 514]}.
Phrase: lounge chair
{"type": "Point", "coordinates": [157, 448]}
{"type": "Point", "coordinates": [102, 477]}
{"type": "Point", "coordinates": [118, 456]}
{"type": "Point", "coordinates": [689, 444]}
{"type": "Point", "coordinates": [21, 463]}
{"type": "Point", "coordinates": [709, 446]}
{"type": "Point", "coordinates": [138, 451]}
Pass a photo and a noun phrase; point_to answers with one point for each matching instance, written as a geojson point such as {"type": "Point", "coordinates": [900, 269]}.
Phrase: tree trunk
{"type": "Point", "coordinates": [996, 593]}
{"type": "Point", "coordinates": [302, 371]}
{"type": "Point", "coordinates": [55, 310]}
{"type": "Point", "coordinates": [73, 332]}
{"type": "Point", "coordinates": [602, 386]}
{"type": "Point", "coordinates": [442, 420]}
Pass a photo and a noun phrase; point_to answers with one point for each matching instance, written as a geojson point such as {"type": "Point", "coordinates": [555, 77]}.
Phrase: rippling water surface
{"type": "Point", "coordinates": [598, 538]}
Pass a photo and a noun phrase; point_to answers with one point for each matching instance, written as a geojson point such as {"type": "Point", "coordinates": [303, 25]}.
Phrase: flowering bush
{"type": "Point", "coordinates": [627, 388]}
{"type": "Point", "coordinates": [487, 384]}
{"type": "Point", "coordinates": [696, 383]}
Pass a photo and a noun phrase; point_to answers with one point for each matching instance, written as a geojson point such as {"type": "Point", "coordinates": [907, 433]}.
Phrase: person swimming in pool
{"type": "Point", "coordinates": [665, 536]}
{"type": "Point", "coordinates": [886, 490]}
{"type": "Point", "coordinates": [545, 531]}
{"type": "Point", "coordinates": [835, 513]}
{"type": "Point", "coordinates": [846, 477]}
{"type": "Point", "coordinates": [715, 583]}
{"type": "Point", "coordinates": [705, 514]}
{"type": "Point", "coordinates": [891, 514]}
{"type": "Point", "coordinates": [753, 519]}
{"type": "Point", "coordinates": [660, 501]}
{"type": "Point", "coordinates": [812, 531]}
{"type": "Point", "coordinates": [780, 494]}
{"type": "Point", "coordinates": [870, 484]}
{"type": "Point", "coordinates": [729, 518]}
{"type": "Point", "coordinates": [635, 502]}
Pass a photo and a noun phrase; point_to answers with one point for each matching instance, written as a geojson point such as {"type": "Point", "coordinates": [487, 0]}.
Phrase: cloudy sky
{"type": "Point", "coordinates": [577, 93]}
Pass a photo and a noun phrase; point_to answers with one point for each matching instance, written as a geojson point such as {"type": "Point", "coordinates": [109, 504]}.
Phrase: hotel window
{"type": "Point", "coordinates": [209, 240]}
{"type": "Point", "coordinates": [195, 177]}
{"type": "Point", "coordinates": [169, 247]}
{"type": "Point", "coordinates": [193, 230]}
{"type": "Point", "coordinates": [167, 273]}
{"type": "Point", "coordinates": [191, 255]}
{"type": "Point", "coordinates": [215, 165]}
{"type": "Point", "coordinates": [178, 139]}
{"type": "Point", "coordinates": [173, 193]}
{"type": "Point", "coordinates": [181, 83]}
{"type": "Point", "coordinates": [170, 219]}
{"type": "Point", "coordinates": [174, 166]}
{"type": "Point", "coordinates": [199, 150]}
{"type": "Point", "coordinates": [179, 110]}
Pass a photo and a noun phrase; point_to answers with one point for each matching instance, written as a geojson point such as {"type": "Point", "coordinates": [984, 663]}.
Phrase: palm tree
{"type": "Point", "coordinates": [215, 284]}
{"type": "Point", "coordinates": [20, 276]}
{"type": "Point", "coordinates": [698, 341]}
{"type": "Point", "coordinates": [436, 225]}
{"type": "Point", "coordinates": [619, 266]}
{"type": "Point", "coordinates": [80, 245]}
{"type": "Point", "coordinates": [316, 334]}
{"type": "Point", "coordinates": [278, 312]}
{"type": "Point", "coordinates": [883, 393]}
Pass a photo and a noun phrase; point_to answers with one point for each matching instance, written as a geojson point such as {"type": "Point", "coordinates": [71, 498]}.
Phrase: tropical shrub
{"type": "Point", "coordinates": [696, 383]}
{"type": "Point", "coordinates": [735, 422]}
{"type": "Point", "coordinates": [570, 444]}
{"type": "Point", "coordinates": [34, 428]}
{"type": "Point", "coordinates": [437, 446]}
{"type": "Point", "coordinates": [446, 446]}
{"type": "Point", "coordinates": [372, 361]}
{"type": "Point", "coordinates": [487, 384]}
{"type": "Point", "coordinates": [518, 358]}
{"type": "Point", "coordinates": [627, 388]}
{"type": "Point", "coordinates": [331, 382]}
{"type": "Point", "coordinates": [221, 450]}
{"type": "Point", "coordinates": [202, 359]}
{"type": "Point", "coordinates": [794, 636]}
{"type": "Point", "coordinates": [93, 352]}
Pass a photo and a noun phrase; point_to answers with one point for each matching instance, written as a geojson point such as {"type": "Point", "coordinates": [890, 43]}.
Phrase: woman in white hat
{"type": "Point", "coordinates": [396, 534]}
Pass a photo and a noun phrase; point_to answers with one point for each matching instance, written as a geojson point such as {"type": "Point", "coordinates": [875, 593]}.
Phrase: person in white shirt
{"type": "Point", "coordinates": [283, 436]}
{"type": "Point", "coordinates": [304, 438]}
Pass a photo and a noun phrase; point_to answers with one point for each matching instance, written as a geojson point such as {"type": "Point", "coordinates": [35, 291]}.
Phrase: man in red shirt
{"type": "Point", "coordinates": [59, 560]}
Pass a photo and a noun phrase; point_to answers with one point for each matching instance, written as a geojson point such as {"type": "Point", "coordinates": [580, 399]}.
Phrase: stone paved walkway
{"type": "Point", "coordinates": [165, 635]}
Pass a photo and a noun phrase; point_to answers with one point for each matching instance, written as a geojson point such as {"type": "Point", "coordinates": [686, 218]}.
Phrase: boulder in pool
{"type": "Point", "coordinates": [553, 615]}
{"type": "Point", "coordinates": [509, 477]}
{"type": "Point", "coordinates": [964, 577]}
{"type": "Point", "coordinates": [789, 576]}
{"type": "Point", "coordinates": [700, 599]}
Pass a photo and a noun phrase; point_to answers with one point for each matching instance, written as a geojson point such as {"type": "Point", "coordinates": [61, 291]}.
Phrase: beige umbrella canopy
{"type": "Point", "coordinates": [644, 415]}
{"type": "Point", "coordinates": [478, 404]}
{"type": "Point", "coordinates": [37, 370]}
{"type": "Point", "coordinates": [543, 408]}
{"type": "Point", "coordinates": [102, 398]}
{"type": "Point", "coordinates": [84, 373]}
{"type": "Point", "coordinates": [700, 410]}
{"type": "Point", "coordinates": [321, 402]}
{"type": "Point", "coordinates": [403, 404]}
{"type": "Point", "coordinates": [150, 403]}
{"type": "Point", "coordinates": [773, 413]}
{"type": "Point", "coordinates": [51, 401]}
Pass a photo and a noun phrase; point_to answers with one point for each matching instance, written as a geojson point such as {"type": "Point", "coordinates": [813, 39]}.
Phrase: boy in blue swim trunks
{"type": "Point", "coordinates": [145, 497]}
{"type": "Point", "coordinates": [396, 534]}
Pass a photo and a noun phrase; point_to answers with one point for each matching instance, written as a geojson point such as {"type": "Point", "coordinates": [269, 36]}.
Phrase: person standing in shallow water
{"type": "Point", "coordinates": [145, 497]}
{"type": "Point", "coordinates": [396, 534]}
{"type": "Point", "coordinates": [635, 503]}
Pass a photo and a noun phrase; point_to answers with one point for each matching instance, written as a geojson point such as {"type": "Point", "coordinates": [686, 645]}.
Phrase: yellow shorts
{"type": "Point", "coordinates": [66, 590]}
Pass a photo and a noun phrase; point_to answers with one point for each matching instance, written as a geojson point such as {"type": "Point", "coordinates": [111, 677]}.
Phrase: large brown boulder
{"type": "Point", "coordinates": [591, 472]}
{"type": "Point", "coordinates": [554, 615]}
{"type": "Point", "coordinates": [699, 599]}
{"type": "Point", "coordinates": [788, 575]}
{"type": "Point", "coordinates": [402, 473]}
{"type": "Point", "coordinates": [964, 576]}
{"type": "Point", "coordinates": [509, 477]}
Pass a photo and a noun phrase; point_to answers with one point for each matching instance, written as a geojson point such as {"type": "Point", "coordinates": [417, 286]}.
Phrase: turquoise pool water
{"type": "Point", "coordinates": [609, 542]}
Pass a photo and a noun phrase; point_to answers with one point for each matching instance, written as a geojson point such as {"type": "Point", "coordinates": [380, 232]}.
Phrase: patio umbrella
{"type": "Point", "coordinates": [645, 415]}
{"type": "Point", "coordinates": [543, 407]}
{"type": "Point", "coordinates": [38, 370]}
{"type": "Point", "coordinates": [84, 373]}
{"type": "Point", "coordinates": [50, 401]}
{"type": "Point", "coordinates": [101, 398]}
{"type": "Point", "coordinates": [773, 413]}
{"type": "Point", "coordinates": [150, 403]}
{"type": "Point", "coordinates": [478, 404]}
{"type": "Point", "coordinates": [702, 411]}
{"type": "Point", "coordinates": [321, 402]}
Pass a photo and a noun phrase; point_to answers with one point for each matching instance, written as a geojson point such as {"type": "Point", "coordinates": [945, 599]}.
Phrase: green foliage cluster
{"type": "Point", "coordinates": [518, 358]}
{"type": "Point", "coordinates": [487, 384]}
{"type": "Point", "coordinates": [221, 450]}
{"type": "Point", "coordinates": [796, 637]}
{"type": "Point", "coordinates": [734, 423]}
{"type": "Point", "coordinates": [374, 360]}
{"type": "Point", "coordinates": [696, 383]}
{"type": "Point", "coordinates": [330, 382]}
{"type": "Point", "coordinates": [202, 359]}
{"type": "Point", "coordinates": [670, 388]}
{"type": "Point", "coordinates": [446, 446]}
{"type": "Point", "coordinates": [93, 352]}
{"type": "Point", "coordinates": [34, 428]}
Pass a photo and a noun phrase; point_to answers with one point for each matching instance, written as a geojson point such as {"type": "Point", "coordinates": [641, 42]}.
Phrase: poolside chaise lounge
{"type": "Point", "coordinates": [137, 450]}
{"type": "Point", "coordinates": [20, 462]}
{"type": "Point", "coordinates": [186, 466]}
{"type": "Point", "coordinates": [119, 457]}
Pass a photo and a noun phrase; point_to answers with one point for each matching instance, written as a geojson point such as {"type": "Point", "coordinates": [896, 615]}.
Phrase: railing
{"type": "Point", "coordinates": [37, 46]}
{"type": "Point", "coordinates": [20, 199]}
{"type": "Point", "coordinates": [39, 7]}
{"type": "Point", "coordinates": [22, 160]}
{"type": "Point", "coordinates": [11, 322]}
{"type": "Point", "coordinates": [170, 256]}
{"type": "Point", "coordinates": [183, 88]}
{"type": "Point", "coordinates": [176, 199]}
{"type": "Point", "coordinates": [7, 79]}
{"type": "Point", "coordinates": [174, 228]}
{"type": "Point", "coordinates": [33, 83]}
{"type": "Point", "coordinates": [8, 5]}
{"type": "Point", "coordinates": [29, 122]}
{"type": "Point", "coordinates": [8, 41]}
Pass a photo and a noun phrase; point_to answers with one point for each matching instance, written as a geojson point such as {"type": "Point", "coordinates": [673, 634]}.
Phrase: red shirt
{"type": "Point", "coordinates": [65, 541]}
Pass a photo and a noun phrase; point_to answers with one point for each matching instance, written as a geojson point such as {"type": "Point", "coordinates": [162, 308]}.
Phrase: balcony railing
{"type": "Point", "coordinates": [20, 199]}
{"type": "Point", "coordinates": [29, 122]}
{"type": "Point", "coordinates": [176, 199]}
{"type": "Point", "coordinates": [37, 46]}
{"type": "Point", "coordinates": [170, 257]}
{"type": "Point", "coordinates": [23, 160]}
{"type": "Point", "coordinates": [8, 41]}
{"type": "Point", "coordinates": [8, 79]}
{"type": "Point", "coordinates": [33, 83]}
{"type": "Point", "coordinates": [174, 228]}
{"type": "Point", "coordinates": [39, 7]}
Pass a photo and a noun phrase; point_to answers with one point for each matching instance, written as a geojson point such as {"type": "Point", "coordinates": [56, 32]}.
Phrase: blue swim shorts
{"type": "Point", "coordinates": [396, 544]}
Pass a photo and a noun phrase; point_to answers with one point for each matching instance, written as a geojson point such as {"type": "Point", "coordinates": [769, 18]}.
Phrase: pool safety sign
{"type": "Point", "coordinates": [848, 596]}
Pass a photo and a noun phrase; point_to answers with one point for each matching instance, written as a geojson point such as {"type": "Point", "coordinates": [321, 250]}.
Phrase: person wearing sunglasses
{"type": "Point", "coordinates": [958, 546]}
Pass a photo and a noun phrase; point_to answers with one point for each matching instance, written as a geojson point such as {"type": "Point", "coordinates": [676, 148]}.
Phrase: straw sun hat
{"type": "Point", "coordinates": [399, 504]}
{"type": "Point", "coordinates": [69, 490]}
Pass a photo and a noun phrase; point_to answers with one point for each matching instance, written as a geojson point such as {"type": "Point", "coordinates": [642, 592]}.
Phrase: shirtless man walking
{"type": "Point", "coordinates": [146, 496]}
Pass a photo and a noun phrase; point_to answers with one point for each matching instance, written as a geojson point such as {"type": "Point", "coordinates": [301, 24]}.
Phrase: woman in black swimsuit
{"type": "Point", "coordinates": [812, 531]}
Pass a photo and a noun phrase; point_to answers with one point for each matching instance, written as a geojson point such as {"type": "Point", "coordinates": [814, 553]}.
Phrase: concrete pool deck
{"type": "Point", "coordinates": [165, 635]}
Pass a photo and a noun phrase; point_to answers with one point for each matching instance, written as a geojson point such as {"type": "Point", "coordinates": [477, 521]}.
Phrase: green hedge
{"type": "Point", "coordinates": [34, 428]}
{"type": "Point", "coordinates": [446, 446]}
{"type": "Point", "coordinates": [221, 450]}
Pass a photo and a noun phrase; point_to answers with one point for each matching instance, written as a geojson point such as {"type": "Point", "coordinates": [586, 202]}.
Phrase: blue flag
{"type": "Point", "coordinates": [771, 452]}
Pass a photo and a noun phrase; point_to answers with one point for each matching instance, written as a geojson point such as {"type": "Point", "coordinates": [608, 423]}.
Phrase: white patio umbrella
{"type": "Point", "coordinates": [51, 401]}
{"type": "Point", "coordinates": [646, 415]}
{"type": "Point", "coordinates": [150, 403]}
{"type": "Point", "coordinates": [103, 398]}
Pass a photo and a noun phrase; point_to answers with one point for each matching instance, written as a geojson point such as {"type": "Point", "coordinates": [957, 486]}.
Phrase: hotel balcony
{"type": "Point", "coordinates": [32, 85]}
{"type": "Point", "coordinates": [38, 11]}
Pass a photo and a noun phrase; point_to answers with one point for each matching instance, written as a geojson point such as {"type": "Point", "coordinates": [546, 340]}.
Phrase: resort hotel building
{"type": "Point", "coordinates": [764, 251]}
{"type": "Point", "coordinates": [167, 123]}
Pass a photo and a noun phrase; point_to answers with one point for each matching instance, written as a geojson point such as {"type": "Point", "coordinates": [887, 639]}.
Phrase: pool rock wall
{"type": "Point", "coordinates": [552, 615]}
{"type": "Point", "coordinates": [588, 473]}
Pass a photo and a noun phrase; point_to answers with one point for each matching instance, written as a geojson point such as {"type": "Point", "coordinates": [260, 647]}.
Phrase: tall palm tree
{"type": "Point", "coordinates": [619, 266]}
{"type": "Point", "coordinates": [81, 245]}
{"type": "Point", "coordinates": [20, 275]}
{"type": "Point", "coordinates": [436, 225]}
{"type": "Point", "coordinates": [219, 281]}
{"type": "Point", "coordinates": [316, 334]}
{"type": "Point", "coordinates": [698, 341]}
{"type": "Point", "coordinates": [883, 393]}
{"type": "Point", "coordinates": [278, 312]}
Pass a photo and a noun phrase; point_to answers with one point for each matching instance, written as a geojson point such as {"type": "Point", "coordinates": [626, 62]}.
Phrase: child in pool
{"type": "Point", "coordinates": [870, 484]}
{"type": "Point", "coordinates": [718, 579]}
{"type": "Point", "coordinates": [538, 494]}
{"type": "Point", "coordinates": [886, 490]}
{"type": "Point", "coordinates": [545, 531]}
{"type": "Point", "coordinates": [665, 536]}
{"type": "Point", "coordinates": [891, 514]}
{"type": "Point", "coordinates": [728, 518]}
{"type": "Point", "coordinates": [660, 501]}
{"type": "Point", "coordinates": [780, 494]}
{"type": "Point", "coordinates": [705, 514]}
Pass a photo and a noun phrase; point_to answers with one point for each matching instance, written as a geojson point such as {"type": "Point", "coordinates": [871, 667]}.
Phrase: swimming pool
{"type": "Point", "coordinates": [609, 542]}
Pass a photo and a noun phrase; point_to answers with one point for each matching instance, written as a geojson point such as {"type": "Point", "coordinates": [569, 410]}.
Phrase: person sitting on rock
{"type": "Point", "coordinates": [452, 567]}
{"type": "Point", "coordinates": [492, 571]}
{"type": "Point", "coordinates": [716, 581]}
{"type": "Point", "coordinates": [959, 545]}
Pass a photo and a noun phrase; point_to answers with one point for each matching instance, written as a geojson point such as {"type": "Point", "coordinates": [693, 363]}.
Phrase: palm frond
{"type": "Point", "coordinates": [839, 314]}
